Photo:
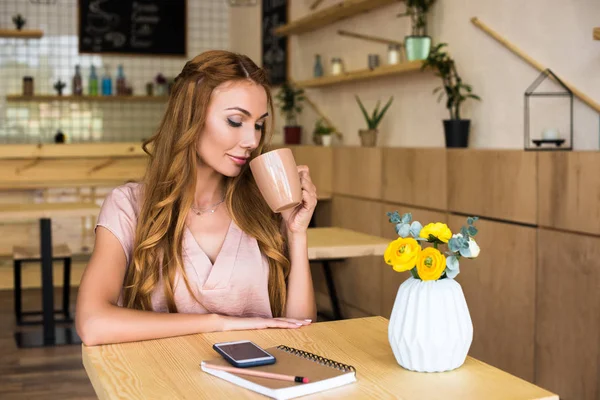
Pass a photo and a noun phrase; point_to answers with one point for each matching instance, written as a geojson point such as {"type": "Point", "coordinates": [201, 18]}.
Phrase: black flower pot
{"type": "Point", "coordinates": [457, 132]}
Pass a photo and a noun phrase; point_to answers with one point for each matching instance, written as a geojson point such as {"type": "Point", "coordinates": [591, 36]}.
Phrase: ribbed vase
{"type": "Point", "coordinates": [430, 328]}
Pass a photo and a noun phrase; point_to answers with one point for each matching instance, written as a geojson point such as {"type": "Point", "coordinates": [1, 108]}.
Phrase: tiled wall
{"type": "Point", "coordinates": [54, 57]}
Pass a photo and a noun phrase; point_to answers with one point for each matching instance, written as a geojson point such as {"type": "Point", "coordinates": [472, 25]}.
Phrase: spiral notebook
{"type": "Point", "coordinates": [324, 374]}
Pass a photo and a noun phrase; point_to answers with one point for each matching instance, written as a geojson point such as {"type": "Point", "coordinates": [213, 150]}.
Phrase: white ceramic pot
{"type": "Point", "coordinates": [326, 140]}
{"type": "Point", "coordinates": [430, 328]}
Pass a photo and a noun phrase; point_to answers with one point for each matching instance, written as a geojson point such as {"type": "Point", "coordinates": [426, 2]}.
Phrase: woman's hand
{"type": "Point", "coordinates": [297, 219]}
{"type": "Point", "coordinates": [242, 324]}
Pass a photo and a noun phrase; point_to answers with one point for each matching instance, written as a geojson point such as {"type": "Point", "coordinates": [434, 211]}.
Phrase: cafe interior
{"type": "Point", "coordinates": [439, 110]}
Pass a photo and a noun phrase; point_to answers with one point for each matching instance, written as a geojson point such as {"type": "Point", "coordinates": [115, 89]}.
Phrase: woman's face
{"type": "Point", "coordinates": [235, 117]}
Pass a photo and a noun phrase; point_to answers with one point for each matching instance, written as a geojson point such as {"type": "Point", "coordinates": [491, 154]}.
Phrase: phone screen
{"type": "Point", "coordinates": [243, 351]}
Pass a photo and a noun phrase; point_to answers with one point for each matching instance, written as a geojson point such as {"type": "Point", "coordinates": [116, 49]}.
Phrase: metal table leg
{"type": "Point", "coordinates": [50, 335]}
{"type": "Point", "coordinates": [335, 305]}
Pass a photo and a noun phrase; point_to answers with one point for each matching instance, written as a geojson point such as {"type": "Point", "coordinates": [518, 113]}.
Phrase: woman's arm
{"type": "Point", "coordinates": [300, 303]}
{"type": "Point", "coordinates": [100, 320]}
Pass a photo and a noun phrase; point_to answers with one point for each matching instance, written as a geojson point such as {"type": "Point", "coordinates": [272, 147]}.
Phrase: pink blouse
{"type": "Point", "coordinates": [235, 285]}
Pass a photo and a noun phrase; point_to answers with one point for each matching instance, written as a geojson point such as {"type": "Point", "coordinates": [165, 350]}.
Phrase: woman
{"type": "Point", "coordinates": [194, 247]}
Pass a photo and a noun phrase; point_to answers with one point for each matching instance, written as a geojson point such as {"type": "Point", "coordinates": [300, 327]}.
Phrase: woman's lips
{"type": "Point", "coordinates": [238, 160]}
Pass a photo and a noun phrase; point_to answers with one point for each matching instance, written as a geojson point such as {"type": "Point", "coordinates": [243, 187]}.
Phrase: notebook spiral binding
{"type": "Point", "coordinates": [316, 358]}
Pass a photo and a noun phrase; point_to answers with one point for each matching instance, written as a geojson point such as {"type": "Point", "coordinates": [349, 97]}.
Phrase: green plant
{"type": "Point", "coordinates": [417, 11]}
{"type": "Point", "coordinates": [19, 21]}
{"type": "Point", "coordinates": [375, 118]}
{"type": "Point", "coordinates": [289, 101]}
{"type": "Point", "coordinates": [321, 128]}
{"type": "Point", "coordinates": [453, 87]}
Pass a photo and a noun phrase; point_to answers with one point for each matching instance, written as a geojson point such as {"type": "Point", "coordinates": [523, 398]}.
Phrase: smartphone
{"type": "Point", "coordinates": [243, 354]}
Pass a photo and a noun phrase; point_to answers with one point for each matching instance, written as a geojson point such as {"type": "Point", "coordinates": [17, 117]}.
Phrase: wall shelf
{"type": "Point", "coordinates": [329, 15]}
{"type": "Point", "coordinates": [103, 99]}
{"type": "Point", "coordinates": [22, 34]}
{"type": "Point", "coordinates": [363, 74]}
{"type": "Point", "coordinates": [597, 33]}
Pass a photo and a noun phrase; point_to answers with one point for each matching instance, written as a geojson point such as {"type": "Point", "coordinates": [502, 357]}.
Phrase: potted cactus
{"type": "Point", "coordinates": [289, 101]}
{"type": "Point", "coordinates": [19, 21]}
{"type": "Point", "coordinates": [368, 137]}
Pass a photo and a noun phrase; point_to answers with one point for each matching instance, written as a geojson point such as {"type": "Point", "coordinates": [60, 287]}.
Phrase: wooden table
{"type": "Point", "coordinates": [51, 335]}
{"type": "Point", "coordinates": [327, 245]}
{"type": "Point", "coordinates": [169, 368]}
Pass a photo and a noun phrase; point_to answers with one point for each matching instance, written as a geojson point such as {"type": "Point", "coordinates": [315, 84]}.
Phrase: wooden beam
{"type": "Point", "coordinates": [597, 33]}
{"type": "Point", "coordinates": [329, 15]}
{"type": "Point", "coordinates": [368, 37]}
{"type": "Point", "coordinates": [510, 46]}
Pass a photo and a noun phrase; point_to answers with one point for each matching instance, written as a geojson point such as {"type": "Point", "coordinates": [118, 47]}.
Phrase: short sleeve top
{"type": "Point", "coordinates": [237, 283]}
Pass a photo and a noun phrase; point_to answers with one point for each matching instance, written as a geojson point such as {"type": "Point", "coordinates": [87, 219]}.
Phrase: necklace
{"type": "Point", "coordinates": [209, 210]}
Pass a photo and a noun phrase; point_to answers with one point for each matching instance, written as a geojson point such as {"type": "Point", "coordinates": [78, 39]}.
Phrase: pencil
{"type": "Point", "coordinates": [268, 375]}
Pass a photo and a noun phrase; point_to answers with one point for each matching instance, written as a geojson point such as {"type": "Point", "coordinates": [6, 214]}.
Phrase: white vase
{"type": "Point", "coordinates": [430, 328]}
{"type": "Point", "coordinates": [326, 140]}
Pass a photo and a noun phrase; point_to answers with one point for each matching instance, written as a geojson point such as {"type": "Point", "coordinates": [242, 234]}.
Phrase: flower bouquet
{"type": "Point", "coordinates": [430, 328]}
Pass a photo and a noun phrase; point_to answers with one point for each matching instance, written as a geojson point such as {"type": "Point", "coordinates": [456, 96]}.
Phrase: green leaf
{"type": "Point", "coordinates": [388, 104]}
{"type": "Point", "coordinates": [364, 111]}
{"type": "Point", "coordinates": [375, 110]}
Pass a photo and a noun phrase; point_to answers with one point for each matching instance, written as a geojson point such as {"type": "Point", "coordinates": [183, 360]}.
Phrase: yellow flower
{"type": "Point", "coordinates": [402, 254]}
{"type": "Point", "coordinates": [438, 230]}
{"type": "Point", "coordinates": [431, 264]}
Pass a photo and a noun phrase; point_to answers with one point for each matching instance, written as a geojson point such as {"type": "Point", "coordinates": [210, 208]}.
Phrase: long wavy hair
{"type": "Point", "coordinates": [169, 184]}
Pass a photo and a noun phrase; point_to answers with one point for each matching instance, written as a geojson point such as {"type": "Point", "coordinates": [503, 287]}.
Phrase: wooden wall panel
{"type": "Point", "coordinates": [569, 191]}
{"type": "Point", "coordinates": [320, 162]}
{"type": "Point", "coordinates": [415, 177]}
{"type": "Point", "coordinates": [568, 315]}
{"type": "Point", "coordinates": [493, 183]}
{"type": "Point", "coordinates": [358, 280]}
{"type": "Point", "coordinates": [392, 279]}
{"type": "Point", "coordinates": [500, 287]}
{"type": "Point", "coordinates": [358, 171]}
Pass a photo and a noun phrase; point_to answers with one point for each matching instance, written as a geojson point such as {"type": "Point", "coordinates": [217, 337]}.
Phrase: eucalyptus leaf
{"type": "Point", "coordinates": [406, 218]}
{"type": "Point", "coordinates": [450, 273]}
{"type": "Point", "coordinates": [465, 251]}
{"type": "Point", "coordinates": [452, 263]}
{"type": "Point", "coordinates": [403, 230]}
{"type": "Point", "coordinates": [415, 229]}
{"type": "Point", "coordinates": [472, 230]}
{"type": "Point", "coordinates": [453, 244]}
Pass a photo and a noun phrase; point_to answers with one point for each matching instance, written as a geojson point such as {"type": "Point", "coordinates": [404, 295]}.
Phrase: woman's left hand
{"type": "Point", "coordinates": [297, 219]}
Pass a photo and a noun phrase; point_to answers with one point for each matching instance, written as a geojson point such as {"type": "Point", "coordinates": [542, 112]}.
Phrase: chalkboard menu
{"type": "Point", "coordinates": [274, 48]}
{"type": "Point", "coordinates": [150, 27]}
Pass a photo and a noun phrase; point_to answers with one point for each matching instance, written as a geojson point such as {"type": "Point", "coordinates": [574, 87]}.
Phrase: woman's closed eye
{"type": "Point", "coordinates": [235, 124]}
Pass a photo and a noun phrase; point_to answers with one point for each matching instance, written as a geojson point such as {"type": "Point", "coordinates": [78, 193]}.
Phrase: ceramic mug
{"type": "Point", "coordinates": [276, 175]}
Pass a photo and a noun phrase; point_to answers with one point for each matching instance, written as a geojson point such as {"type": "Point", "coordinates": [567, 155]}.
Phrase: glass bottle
{"type": "Point", "coordinates": [318, 68]}
{"type": "Point", "coordinates": [121, 82]}
{"type": "Point", "coordinates": [106, 83]}
{"type": "Point", "coordinates": [336, 66]}
{"type": "Point", "coordinates": [77, 82]}
{"type": "Point", "coordinates": [93, 83]}
{"type": "Point", "coordinates": [393, 54]}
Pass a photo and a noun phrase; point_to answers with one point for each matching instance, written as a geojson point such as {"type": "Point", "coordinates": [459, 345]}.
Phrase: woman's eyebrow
{"type": "Point", "coordinates": [246, 112]}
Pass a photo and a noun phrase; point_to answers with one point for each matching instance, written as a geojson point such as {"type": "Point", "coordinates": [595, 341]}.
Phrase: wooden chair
{"type": "Point", "coordinates": [32, 254]}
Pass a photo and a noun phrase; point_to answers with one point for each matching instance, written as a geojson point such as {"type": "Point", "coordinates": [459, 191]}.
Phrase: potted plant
{"type": "Point", "coordinates": [289, 101]}
{"type": "Point", "coordinates": [430, 328]}
{"type": "Point", "coordinates": [323, 133]}
{"type": "Point", "coordinates": [456, 129]}
{"type": "Point", "coordinates": [417, 45]}
{"type": "Point", "coordinates": [368, 137]}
